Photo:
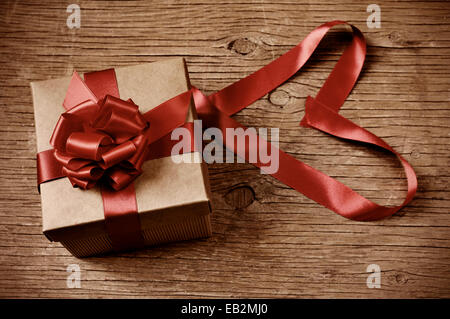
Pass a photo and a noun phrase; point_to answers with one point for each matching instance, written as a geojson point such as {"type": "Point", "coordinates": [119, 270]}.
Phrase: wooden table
{"type": "Point", "coordinates": [268, 240]}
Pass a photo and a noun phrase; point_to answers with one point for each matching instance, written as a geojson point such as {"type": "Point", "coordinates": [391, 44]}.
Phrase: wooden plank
{"type": "Point", "coordinates": [268, 241]}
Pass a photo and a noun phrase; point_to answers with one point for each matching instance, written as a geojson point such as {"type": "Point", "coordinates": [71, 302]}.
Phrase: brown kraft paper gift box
{"type": "Point", "coordinates": [173, 199]}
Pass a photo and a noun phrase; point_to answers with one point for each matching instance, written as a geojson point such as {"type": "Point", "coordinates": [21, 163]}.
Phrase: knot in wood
{"type": "Point", "coordinates": [279, 97]}
{"type": "Point", "coordinates": [240, 197]}
{"type": "Point", "coordinates": [242, 46]}
{"type": "Point", "coordinates": [401, 279]}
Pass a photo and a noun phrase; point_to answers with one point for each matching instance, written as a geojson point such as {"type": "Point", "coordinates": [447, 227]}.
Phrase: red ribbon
{"type": "Point", "coordinates": [100, 145]}
{"type": "Point", "coordinates": [320, 113]}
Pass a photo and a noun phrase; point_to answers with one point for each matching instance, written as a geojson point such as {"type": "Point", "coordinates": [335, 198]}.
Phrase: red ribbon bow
{"type": "Point", "coordinates": [105, 140]}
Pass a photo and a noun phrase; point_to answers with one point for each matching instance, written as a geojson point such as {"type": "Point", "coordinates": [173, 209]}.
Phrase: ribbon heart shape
{"type": "Point", "coordinates": [102, 139]}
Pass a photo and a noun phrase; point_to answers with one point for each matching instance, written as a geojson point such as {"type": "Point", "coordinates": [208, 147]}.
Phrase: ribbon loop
{"type": "Point", "coordinates": [87, 145]}
{"type": "Point", "coordinates": [118, 154]}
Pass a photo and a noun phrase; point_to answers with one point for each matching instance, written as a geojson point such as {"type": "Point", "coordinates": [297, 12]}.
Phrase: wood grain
{"type": "Point", "coordinates": [268, 240]}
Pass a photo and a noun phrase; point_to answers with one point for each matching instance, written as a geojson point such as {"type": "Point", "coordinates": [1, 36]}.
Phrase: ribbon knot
{"type": "Point", "coordinates": [105, 140]}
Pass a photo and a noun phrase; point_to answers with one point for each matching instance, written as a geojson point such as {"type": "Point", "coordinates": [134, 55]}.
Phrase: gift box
{"type": "Point", "coordinates": [172, 195]}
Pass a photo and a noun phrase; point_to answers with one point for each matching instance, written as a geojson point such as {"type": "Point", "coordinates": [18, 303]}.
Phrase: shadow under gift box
{"type": "Point", "coordinates": [173, 199]}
